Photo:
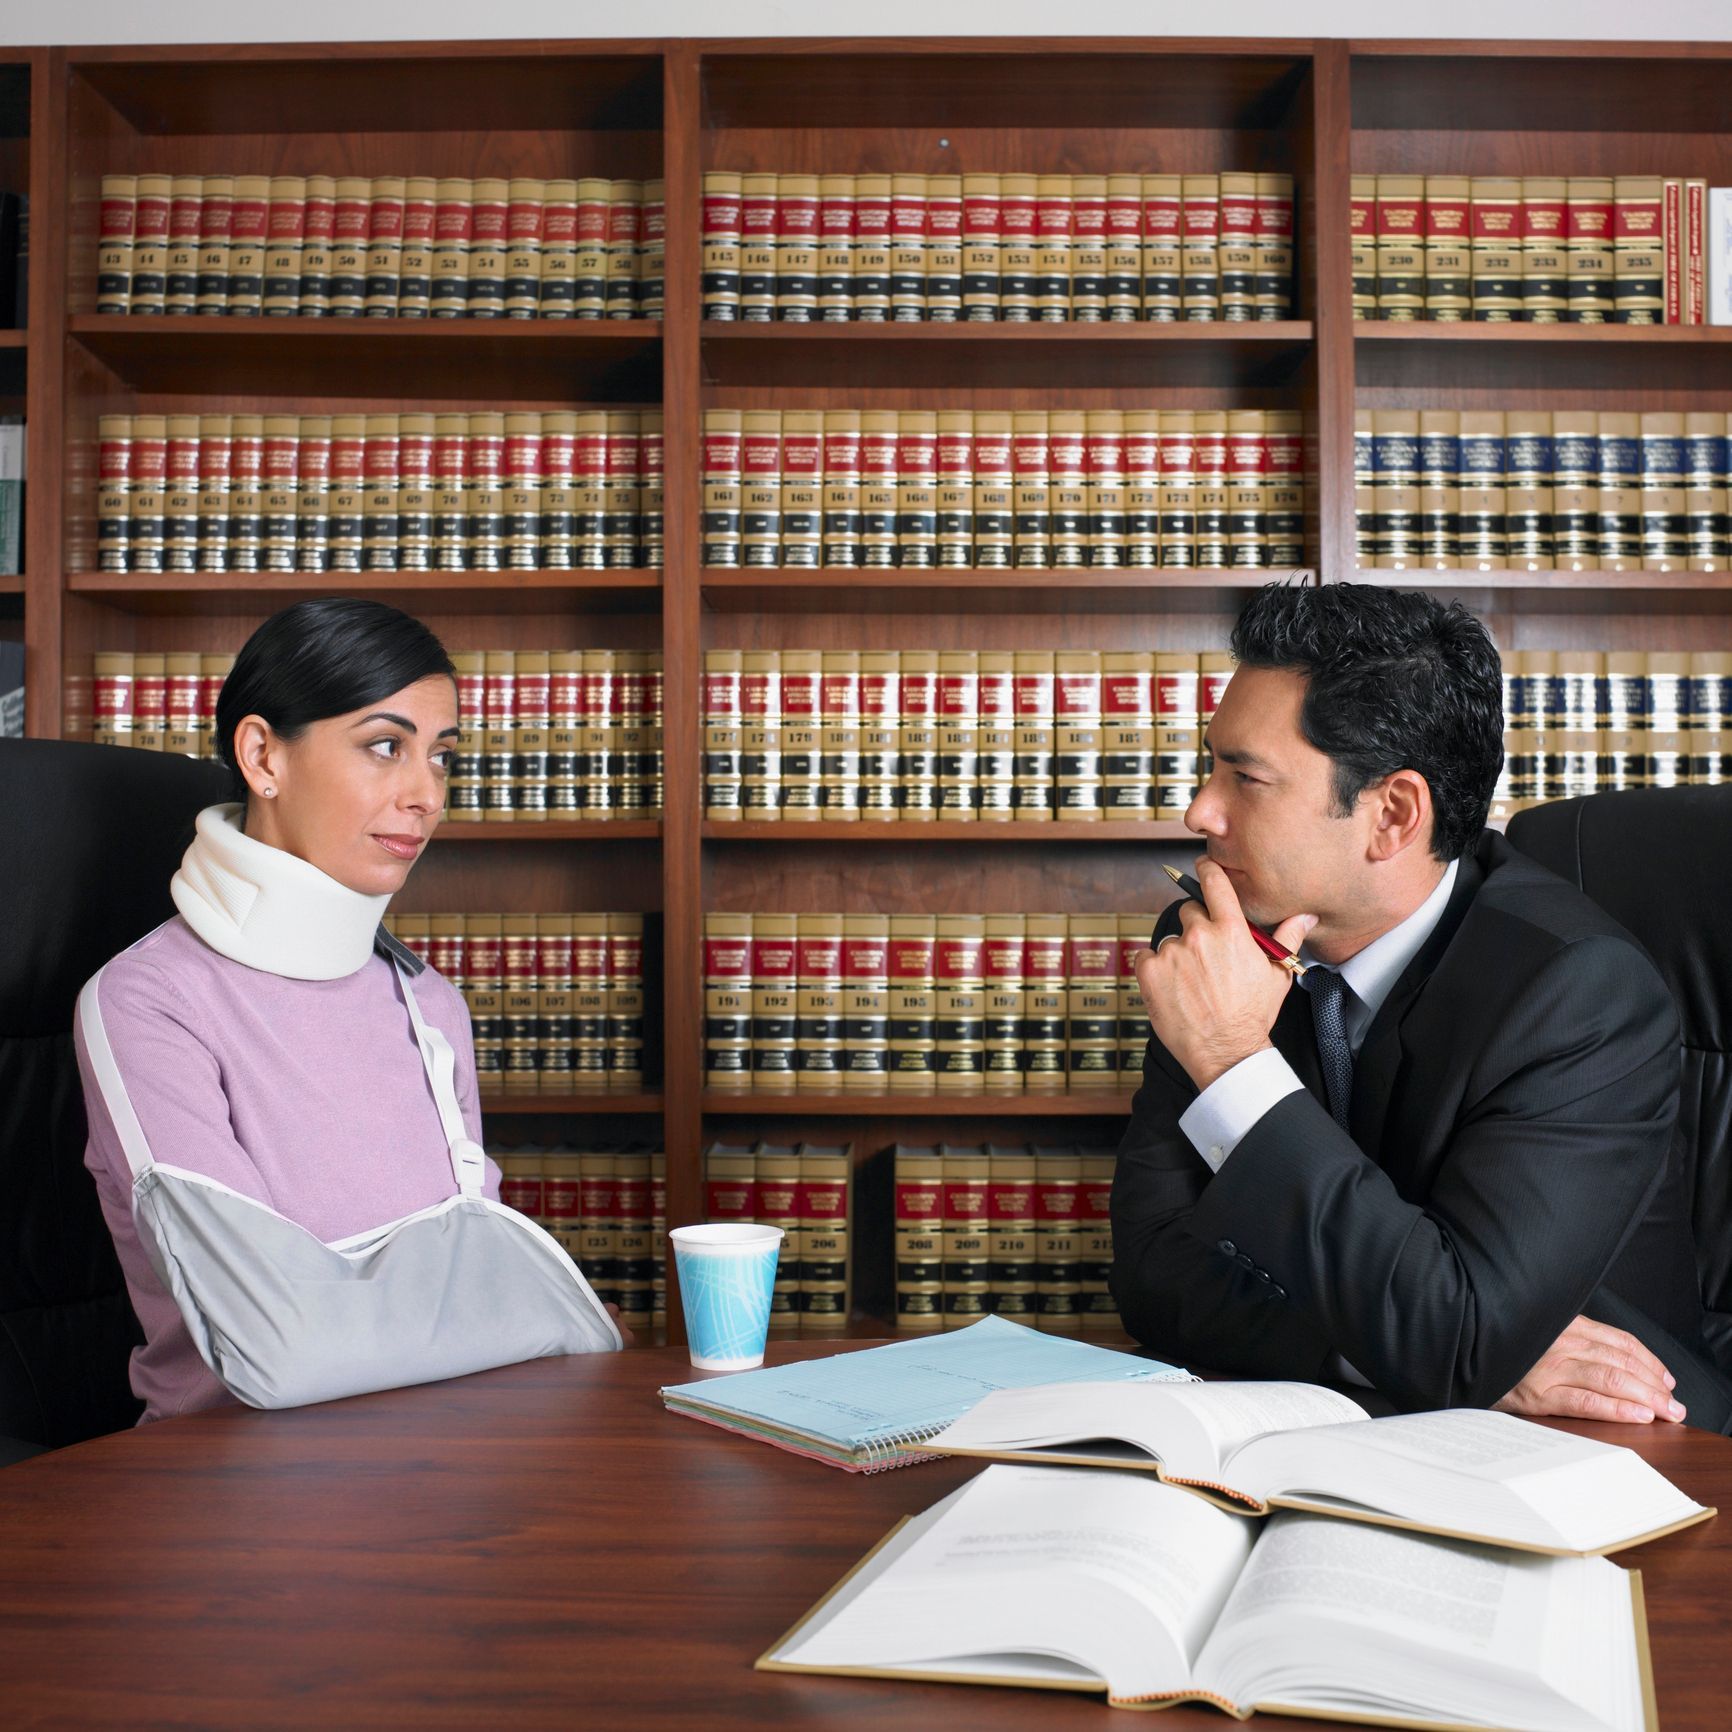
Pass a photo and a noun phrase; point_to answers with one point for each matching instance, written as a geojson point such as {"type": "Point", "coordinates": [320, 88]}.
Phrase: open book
{"type": "Point", "coordinates": [1071, 1580]}
{"type": "Point", "coordinates": [1261, 1446]}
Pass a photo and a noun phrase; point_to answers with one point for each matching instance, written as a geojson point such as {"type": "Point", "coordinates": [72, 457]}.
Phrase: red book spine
{"type": "Point", "coordinates": [1672, 239]}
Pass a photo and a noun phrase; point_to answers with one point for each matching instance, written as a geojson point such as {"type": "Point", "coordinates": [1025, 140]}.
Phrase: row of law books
{"type": "Point", "coordinates": [985, 248]}
{"type": "Point", "coordinates": [393, 246]}
{"type": "Point", "coordinates": [1007, 1230]}
{"type": "Point", "coordinates": [556, 1001]}
{"type": "Point", "coordinates": [954, 489]}
{"type": "Point", "coordinates": [806, 1189]}
{"type": "Point", "coordinates": [160, 701]}
{"type": "Point", "coordinates": [951, 736]}
{"type": "Point", "coordinates": [963, 1004]}
{"type": "Point", "coordinates": [608, 1207]}
{"type": "Point", "coordinates": [1585, 722]}
{"type": "Point", "coordinates": [1541, 490]}
{"type": "Point", "coordinates": [477, 491]}
{"type": "Point", "coordinates": [561, 734]}
{"type": "Point", "coordinates": [1627, 250]}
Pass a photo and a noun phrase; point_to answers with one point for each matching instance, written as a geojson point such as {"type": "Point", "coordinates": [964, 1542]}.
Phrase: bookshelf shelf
{"type": "Point", "coordinates": [584, 1105]}
{"type": "Point", "coordinates": [1056, 358]}
{"type": "Point", "coordinates": [489, 362]}
{"type": "Point", "coordinates": [1320, 110]}
{"type": "Point", "coordinates": [480, 592]}
{"type": "Point", "coordinates": [1108, 1103]}
{"type": "Point", "coordinates": [553, 830]}
{"type": "Point", "coordinates": [1025, 592]}
{"type": "Point", "coordinates": [1571, 336]}
{"type": "Point", "coordinates": [11, 583]}
{"type": "Point", "coordinates": [927, 835]}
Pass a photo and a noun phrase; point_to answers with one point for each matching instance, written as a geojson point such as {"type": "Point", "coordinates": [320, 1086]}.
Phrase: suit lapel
{"type": "Point", "coordinates": [1379, 1060]}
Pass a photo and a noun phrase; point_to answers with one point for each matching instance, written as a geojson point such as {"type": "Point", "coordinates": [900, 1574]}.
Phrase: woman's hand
{"type": "Point", "coordinates": [625, 1333]}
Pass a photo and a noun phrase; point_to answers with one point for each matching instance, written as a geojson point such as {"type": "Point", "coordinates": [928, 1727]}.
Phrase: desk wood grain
{"type": "Point", "coordinates": [544, 1546]}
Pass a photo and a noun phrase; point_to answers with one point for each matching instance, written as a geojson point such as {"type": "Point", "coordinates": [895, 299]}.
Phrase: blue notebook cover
{"type": "Point", "coordinates": [874, 1408]}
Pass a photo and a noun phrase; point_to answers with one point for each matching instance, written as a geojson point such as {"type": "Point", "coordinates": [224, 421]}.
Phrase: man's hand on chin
{"type": "Point", "coordinates": [1212, 995]}
{"type": "Point", "coordinates": [1593, 1371]}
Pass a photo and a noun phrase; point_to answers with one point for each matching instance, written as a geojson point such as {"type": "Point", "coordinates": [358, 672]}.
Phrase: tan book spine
{"type": "Point", "coordinates": [489, 240]}
{"type": "Point", "coordinates": [908, 248]}
{"type": "Point", "coordinates": [1054, 222]}
{"type": "Point", "coordinates": [1002, 968]}
{"type": "Point", "coordinates": [116, 237]}
{"type": "Point", "coordinates": [960, 1028]}
{"type": "Point", "coordinates": [1058, 1267]}
{"type": "Point", "coordinates": [872, 215]}
{"type": "Point", "coordinates": [180, 267]}
{"type": "Point", "coordinates": [913, 1003]}
{"type": "Point", "coordinates": [1495, 229]}
{"type": "Point", "coordinates": [1200, 269]}
{"type": "Point", "coordinates": [524, 212]}
{"type": "Point", "coordinates": [1588, 249]}
{"type": "Point", "coordinates": [453, 235]}
{"type": "Point", "coordinates": [215, 233]}
{"type": "Point", "coordinates": [145, 499]}
{"type": "Point", "coordinates": [1448, 249]}
{"type": "Point", "coordinates": [155, 198]}
{"type": "Point", "coordinates": [996, 744]}
{"type": "Point", "coordinates": [1010, 1231]}
{"type": "Point", "coordinates": [558, 290]}
{"type": "Point", "coordinates": [180, 494]}
{"type": "Point", "coordinates": [624, 248]}
{"type": "Point", "coordinates": [1095, 1235]}
{"type": "Point", "coordinates": [967, 1227]}
{"type": "Point", "coordinates": [1018, 218]}
{"type": "Point", "coordinates": [555, 989]}
{"type": "Point", "coordinates": [484, 977]}
{"type": "Point", "coordinates": [802, 727]}
{"type": "Point", "coordinates": [958, 736]}
{"type": "Point", "coordinates": [865, 1003]}
{"type": "Point", "coordinates": [1044, 1059]}
{"type": "Point", "coordinates": [918, 1179]}
{"type": "Point", "coordinates": [1238, 247]}
{"type": "Point", "coordinates": [835, 271]}
{"type": "Point", "coordinates": [728, 1001]}
{"type": "Point", "coordinates": [797, 248]}
{"type": "Point", "coordinates": [982, 253]}
{"type": "Point", "coordinates": [1545, 279]}
{"type": "Point", "coordinates": [112, 698]}
{"type": "Point", "coordinates": [759, 757]}
{"type": "Point", "coordinates": [918, 744]}
{"type": "Point", "coordinates": [827, 1263]}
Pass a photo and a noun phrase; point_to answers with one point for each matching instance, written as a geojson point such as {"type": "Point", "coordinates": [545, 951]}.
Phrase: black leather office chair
{"type": "Point", "coordinates": [89, 838]}
{"type": "Point", "coordinates": [1660, 863]}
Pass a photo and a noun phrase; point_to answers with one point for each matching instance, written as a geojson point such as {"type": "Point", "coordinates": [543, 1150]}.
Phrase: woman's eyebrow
{"type": "Point", "coordinates": [405, 724]}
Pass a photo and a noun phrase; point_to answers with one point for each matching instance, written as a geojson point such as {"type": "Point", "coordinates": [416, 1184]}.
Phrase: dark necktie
{"type": "Point", "coordinates": [1329, 995]}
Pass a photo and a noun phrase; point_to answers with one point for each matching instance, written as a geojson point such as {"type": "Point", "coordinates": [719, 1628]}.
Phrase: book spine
{"type": "Point", "coordinates": [1058, 1268]}
{"type": "Point", "coordinates": [625, 1003]}
{"type": "Point", "coordinates": [465, 796]}
{"type": "Point", "coordinates": [524, 211]}
{"type": "Point", "coordinates": [622, 507]}
{"type": "Point", "coordinates": [1134, 934]}
{"type": "Point", "coordinates": [996, 758]}
{"type": "Point", "coordinates": [1091, 1002]}
{"type": "Point", "coordinates": [1448, 249]}
{"type": "Point", "coordinates": [246, 502]}
{"type": "Point", "coordinates": [1238, 249]}
{"type": "Point", "coordinates": [589, 256]}
{"type": "Point", "coordinates": [918, 1179]}
{"type": "Point", "coordinates": [1495, 232]}
{"type": "Point", "coordinates": [958, 736]}
{"type": "Point", "coordinates": [913, 1004]}
{"type": "Point", "coordinates": [1095, 1235]}
{"type": "Point", "coordinates": [908, 248]}
{"type": "Point", "coordinates": [557, 292]}
{"type": "Point", "coordinates": [1054, 227]}
{"type": "Point", "coordinates": [967, 1228]}
{"type": "Point", "coordinates": [489, 225]}
{"type": "Point", "coordinates": [835, 245]}
{"type": "Point", "coordinates": [1123, 248]}
{"type": "Point", "coordinates": [484, 979]}
{"type": "Point", "coordinates": [589, 1003]}
{"type": "Point", "coordinates": [598, 758]}
{"type": "Point", "coordinates": [1200, 280]}
{"type": "Point", "coordinates": [180, 271]}
{"type": "Point", "coordinates": [634, 1241]}
{"type": "Point", "coordinates": [880, 727]}
{"type": "Point", "coordinates": [658, 1238]}
{"type": "Point", "coordinates": [1695, 252]}
{"type": "Point", "coordinates": [724, 739]}
{"type": "Point", "coordinates": [1672, 247]}
{"type": "Point", "coordinates": [943, 299]}
{"type": "Point", "coordinates": [1044, 1059]}
{"type": "Point", "coordinates": [1589, 250]}
{"type": "Point", "coordinates": [155, 198]}
{"type": "Point", "coordinates": [781, 1205]}
{"type": "Point", "coordinates": [520, 1000]}
{"type": "Point", "coordinates": [650, 288]}
{"type": "Point", "coordinates": [1002, 968]}
{"type": "Point", "coordinates": [818, 1018]}
{"type": "Point", "coordinates": [873, 208]}
{"type": "Point", "coordinates": [960, 1004]}
{"type": "Point", "coordinates": [279, 495]}
{"type": "Point", "coordinates": [310, 297]}
{"type": "Point", "coordinates": [917, 489]}
{"type": "Point", "coordinates": [181, 719]}
{"type": "Point", "coordinates": [1127, 734]}
{"type": "Point", "coordinates": [1018, 222]}
{"type": "Point", "coordinates": [1545, 282]}
{"type": "Point", "coordinates": [1273, 278]}
{"type": "Point", "coordinates": [865, 1003]}
{"type": "Point", "coordinates": [839, 736]}
{"type": "Point", "coordinates": [1104, 467]}
{"type": "Point", "coordinates": [415, 261]}
{"type": "Point", "coordinates": [1400, 246]}
{"type": "Point", "coordinates": [529, 735]}
{"type": "Point", "coordinates": [802, 727]}
{"type": "Point", "coordinates": [825, 1279]}
{"type": "Point", "coordinates": [1077, 734]}
{"type": "Point", "coordinates": [116, 239]}
{"type": "Point", "coordinates": [112, 692]}
{"type": "Point", "coordinates": [453, 233]}
{"type": "Point", "coordinates": [1176, 738]}
{"type": "Point", "coordinates": [285, 238]}
{"type": "Point", "coordinates": [624, 248]}
{"type": "Point", "coordinates": [562, 1200]}
{"type": "Point", "coordinates": [554, 991]}
{"type": "Point", "coordinates": [147, 476]}
{"type": "Point", "coordinates": [774, 985]}
{"type": "Point", "coordinates": [918, 753]}
{"type": "Point", "coordinates": [598, 1230]}
{"type": "Point", "coordinates": [180, 494]}
{"type": "Point", "coordinates": [1011, 1232]}
{"type": "Point", "coordinates": [727, 1001]}
{"type": "Point", "coordinates": [1638, 262]}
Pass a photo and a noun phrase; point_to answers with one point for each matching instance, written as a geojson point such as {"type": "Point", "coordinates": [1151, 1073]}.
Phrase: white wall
{"type": "Point", "coordinates": [24, 22]}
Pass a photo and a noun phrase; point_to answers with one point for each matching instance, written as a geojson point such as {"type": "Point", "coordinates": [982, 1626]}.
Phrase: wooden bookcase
{"type": "Point", "coordinates": [1319, 110]}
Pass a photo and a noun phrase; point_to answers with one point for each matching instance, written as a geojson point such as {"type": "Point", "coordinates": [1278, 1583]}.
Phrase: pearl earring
{"type": "Point", "coordinates": [270, 793]}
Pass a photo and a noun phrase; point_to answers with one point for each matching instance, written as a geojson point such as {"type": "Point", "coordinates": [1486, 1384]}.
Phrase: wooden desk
{"type": "Point", "coordinates": [544, 1546]}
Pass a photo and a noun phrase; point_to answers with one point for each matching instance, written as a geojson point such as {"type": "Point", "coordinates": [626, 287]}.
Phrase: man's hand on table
{"type": "Point", "coordinates": [1593, 1371]}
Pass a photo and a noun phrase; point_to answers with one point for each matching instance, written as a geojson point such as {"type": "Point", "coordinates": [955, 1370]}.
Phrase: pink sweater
{"type": "Point", "coordinates": [306, 1094]}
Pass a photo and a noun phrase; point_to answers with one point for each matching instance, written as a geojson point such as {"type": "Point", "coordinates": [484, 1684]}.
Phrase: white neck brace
{"type": "Point", "coordinates": [269, 909]}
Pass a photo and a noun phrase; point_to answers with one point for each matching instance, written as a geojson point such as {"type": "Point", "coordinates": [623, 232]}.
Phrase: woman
{"type": "Point", "coordinates": [261, 1038]}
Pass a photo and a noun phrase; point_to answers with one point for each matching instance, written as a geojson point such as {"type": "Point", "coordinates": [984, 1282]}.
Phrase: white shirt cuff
{"type": "Point", "coordinates": [1227, 1109]}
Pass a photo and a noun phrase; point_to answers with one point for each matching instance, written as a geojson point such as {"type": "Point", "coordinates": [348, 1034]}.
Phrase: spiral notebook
{"type": "Point", "coordinates": [871, 1410]}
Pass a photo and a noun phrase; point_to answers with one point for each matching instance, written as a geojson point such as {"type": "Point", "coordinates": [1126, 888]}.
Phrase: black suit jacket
{"type": "Point", "coordinates": [1511, 1163]}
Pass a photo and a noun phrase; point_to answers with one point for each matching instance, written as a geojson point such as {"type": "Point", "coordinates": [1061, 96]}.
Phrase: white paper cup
{"type": "Point", "coordinates": [727, 1271]}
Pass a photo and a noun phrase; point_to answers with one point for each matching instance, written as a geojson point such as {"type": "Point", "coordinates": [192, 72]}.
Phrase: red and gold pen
{"type": "Point", "coordinates": [1265, 943]}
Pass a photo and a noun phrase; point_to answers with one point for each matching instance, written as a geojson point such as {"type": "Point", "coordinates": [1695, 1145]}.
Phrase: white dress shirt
{"type": "Point", "coordinates": [1227, 1109]}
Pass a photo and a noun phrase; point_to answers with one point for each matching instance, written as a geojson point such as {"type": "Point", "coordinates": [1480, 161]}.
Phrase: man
{"type": "Point", "coordinates": [1442, 1163]}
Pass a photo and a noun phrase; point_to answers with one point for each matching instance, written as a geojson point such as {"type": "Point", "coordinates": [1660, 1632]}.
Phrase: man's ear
{"type": "Point", "coordinates": [1404, 814]}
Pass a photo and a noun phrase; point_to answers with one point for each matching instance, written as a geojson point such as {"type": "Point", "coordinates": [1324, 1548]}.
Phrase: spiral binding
{"type": "Point", "coordinates": [898, 1449]}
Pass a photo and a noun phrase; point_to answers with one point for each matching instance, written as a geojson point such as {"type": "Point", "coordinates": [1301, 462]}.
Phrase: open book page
{"type": "Point", "coordinates": [1339, 1617]}
{"type": "Point", "coordinates": [1119, 1576]}
{"type": "Point", "coordinates": [1486, 1474]}
{"type": "Point", "coordinates": [1190, 1428]}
